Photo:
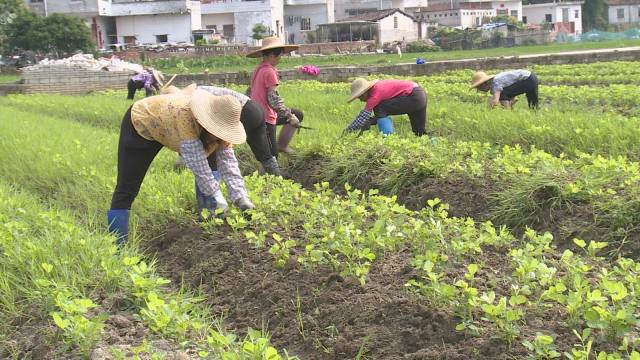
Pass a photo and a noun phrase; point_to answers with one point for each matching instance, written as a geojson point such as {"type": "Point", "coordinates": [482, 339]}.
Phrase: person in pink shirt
{"type": "Point", "coordinates": [263, 90]}
{"type": "Point", "coordinates": [389, 97]}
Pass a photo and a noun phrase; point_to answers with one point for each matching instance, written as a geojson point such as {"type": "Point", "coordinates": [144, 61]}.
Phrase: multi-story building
{"type": "Point", "coordinates": [622, 12]}
{"type": "Point", "coordinates": [468, 13]}
{"type": "Point", "coordinates": [129, 21]}
{"type": "Point", "coordinates": [163, 21]}
{"type": "Point", "coordinates": [561, 15]}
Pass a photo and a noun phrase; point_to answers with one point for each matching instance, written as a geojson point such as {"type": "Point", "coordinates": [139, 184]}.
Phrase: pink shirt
{"type": "Point", "coordinates": [388, 89]}
{"type": "Point", "coordinates": [264, 77]}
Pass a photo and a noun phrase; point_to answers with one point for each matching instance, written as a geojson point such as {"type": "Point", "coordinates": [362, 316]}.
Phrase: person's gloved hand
{"type": "Point", "coordinates": [293, 120]}
{"type": "Point", "coordinates": [245, 204]}
{"type": "Point", "coordinates": [221, 201]}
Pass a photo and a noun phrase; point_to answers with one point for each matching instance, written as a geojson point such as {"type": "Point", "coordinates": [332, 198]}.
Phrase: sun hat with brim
{"type": "Point", "coordinates": [359, 86]}
{"type": "Point", "coordinates": [269, 43]}
{"type": "Point", "coordinates": [219, 116]}
{"type": "Point", "coordinates": [480, 78]}
{"type": "Point", "coordinates": [158, 76]}
{"type": "Point", "coordinates": [174, 89]}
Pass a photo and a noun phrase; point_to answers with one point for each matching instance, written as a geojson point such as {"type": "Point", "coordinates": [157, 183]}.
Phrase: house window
{"type": "Point", "coordinates": [524, 19]}
{"type": "Point", "coordinates": [162, 38]}
{"type": "Point", "coordinates": [547, 18]}
{"type": "Point", "coordinates": [514, 13]}
{"type": "Point", "coordinates": [576, 14]}
{"type": "Point", "coordinates": [212, 27]}
{"type": "Point", "coordinates": [35, 1]}
{"type": "Point", "coordinates": [621, 13]}
{"type": "Point", "coordinates": [395, 22]}
{"type": "Point", "coordinates": [502, 12]}
{"type": "Point", "coordinates": [305, 23]}
{"type": "Point", "coordinates": [227, 31]}
{"type": "Point", "coordinates": [565, 15]}
{"type": "Point", "coordinates": [130, 40]}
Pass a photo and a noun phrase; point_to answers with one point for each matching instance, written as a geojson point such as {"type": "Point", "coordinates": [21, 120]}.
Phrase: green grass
{"type": "Point", "coordinates": [220, 64]}
{"type": "Point", "coordinates": [9, 78]}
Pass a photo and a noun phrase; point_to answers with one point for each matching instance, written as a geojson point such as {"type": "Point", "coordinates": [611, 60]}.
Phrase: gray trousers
{"type": "Point", "coordinates": [414, 105]}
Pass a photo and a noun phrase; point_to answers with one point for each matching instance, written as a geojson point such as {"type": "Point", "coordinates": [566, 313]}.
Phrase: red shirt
{"type": "Point", "coordinates": [388, 89]}
{"type": "Point", "coordinates": [264, 77]}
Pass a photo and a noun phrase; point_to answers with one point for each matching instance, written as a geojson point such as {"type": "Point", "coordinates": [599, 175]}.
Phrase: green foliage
{"type": "Point", "coordinates": [421, 46]}
{"type": "Point", "coordinates": [594, 15]}
{"type": "Point", "coordinates": [58, 33]}
{"type": "Point", "coordinates": [260, 31]}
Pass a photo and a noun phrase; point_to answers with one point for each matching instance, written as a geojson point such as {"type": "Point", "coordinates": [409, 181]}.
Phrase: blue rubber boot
{"type": "Point", "coordinates": [118, 223]}
{"type": "Point", "coordinates": [385, 125]}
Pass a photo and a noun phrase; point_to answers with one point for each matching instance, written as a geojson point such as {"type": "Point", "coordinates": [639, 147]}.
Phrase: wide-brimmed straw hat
{"type": "Point", "coordinates": [158, 76]}
{"type": "Point", "coordinates": [174, 89]}
{"type": "Point", "coordinates": [359, 86]}
{"type": "Point", "coordinates": [272, 42]}
{"type": "Point", "coordinates": [219, 116]}
{"type": "Point", "coordinates": [480, 78]}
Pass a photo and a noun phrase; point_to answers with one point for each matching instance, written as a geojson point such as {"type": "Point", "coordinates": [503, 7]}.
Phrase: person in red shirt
{"type": "Point", "coordinates": [389, 97]}
{"type": "Point", "coordinates": [263, 90]}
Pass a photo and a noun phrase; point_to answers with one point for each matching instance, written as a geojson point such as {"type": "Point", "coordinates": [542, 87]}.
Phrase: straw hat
{"type": "Point", "coordinates": [219, 116]}
{"type": "Point", "coordinates": [174, 89]}
{"type": "Point", "coordinates": [158, 76]}
{"type": "Point", "coordinates": [359, 86]}
{"type": "Point", "coordinates": [480, 78]}
{"type": "Point", "coordinates": [269, 43]}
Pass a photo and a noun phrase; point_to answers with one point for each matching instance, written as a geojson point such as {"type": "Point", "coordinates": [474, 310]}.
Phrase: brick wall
{"type": "Point", "coordinates": [65, 79]}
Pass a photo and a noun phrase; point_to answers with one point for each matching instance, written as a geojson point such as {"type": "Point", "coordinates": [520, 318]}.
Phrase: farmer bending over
{"type": "Point", "coordinates": [264, 82]}
{"type": "Point", "coordinates": [251, 117]}
{"type": "Point", "coordinates": [195, 127]}
{"type": "Point", "coordinates": [505, 86]}
{"type": "Point", "coordinates": [389, 97]}
{"type": "Point", "coordinates": [149, 79]}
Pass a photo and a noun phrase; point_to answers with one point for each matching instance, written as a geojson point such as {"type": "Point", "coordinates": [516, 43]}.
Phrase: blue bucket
{"type": "Point", "coordinates": [385, 125]}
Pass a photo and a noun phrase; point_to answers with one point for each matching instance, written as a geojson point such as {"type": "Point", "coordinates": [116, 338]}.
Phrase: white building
{"type": "Point", "coordinates": [563, 15]}
{"type": "Point", "coordinates": [128, 21]}
{"type": "Point", "coordinates": [467, 14]}
{"type": "Point", "coordinates": [150, 22]}
{"type": "Point", "coordinates": [623, 11]}
{"type": "Point", "coordinates": [305, 15]}
{"type": "Point", "coordinates": [235, 19]}
{"type": "Point", "coordinates": [392, 25]}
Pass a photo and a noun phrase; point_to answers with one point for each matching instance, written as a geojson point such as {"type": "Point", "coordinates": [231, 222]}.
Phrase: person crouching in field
{"type": "Point", "coordinates": [505, 86]}
{"type": "Point", "coordinates": [194, 126]}
{"type": "Point", "coordinates": [252, 119]}
{"type": "Point", "coordinates": [150, 80]}
{"type": "Point", "coordinates": [263, 90]}
{"type": "Point", "coordinates": [389, 97]}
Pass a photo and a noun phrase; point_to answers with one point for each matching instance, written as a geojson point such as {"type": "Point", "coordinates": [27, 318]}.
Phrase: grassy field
{"type": "Point", "coordinates": [506, 234]}
{"type": "Point", "coordinates": [9, 78]}
{"type": "Point", "coordinates": [238, 63]}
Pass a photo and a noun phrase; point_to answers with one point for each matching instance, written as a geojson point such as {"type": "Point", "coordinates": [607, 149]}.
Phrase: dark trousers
{"type": "Point", "coordinates": [527, 86]}
{"type": "Point", "coordinates": [271, 130]}
{"type": "Point", "coordinates": [135, 155]}
{"type": "Point", "coordinates": [252, 118]}
{"type": "Point", "coordinates": [414, 105]}
{"type": "Point", "coordinates": [134, 86]}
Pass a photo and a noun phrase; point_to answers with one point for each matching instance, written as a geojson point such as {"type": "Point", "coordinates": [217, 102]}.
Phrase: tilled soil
{"type": "Point", "coordinates": [318, 314]}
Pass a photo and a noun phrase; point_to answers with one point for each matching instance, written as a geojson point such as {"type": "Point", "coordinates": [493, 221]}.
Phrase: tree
{"type": "Point", "coordinates": [594, 14]}
{"type": "Point", "coordinates": [9, 9]}
{"type": "Point", "coordinates": [260, 31]}
{"type": "Point", "coordinates": [68, 34]}
{"type": "Point", "coordinates": [58, 33]}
